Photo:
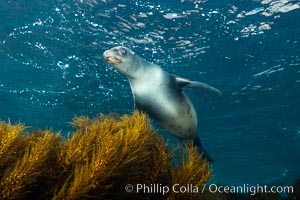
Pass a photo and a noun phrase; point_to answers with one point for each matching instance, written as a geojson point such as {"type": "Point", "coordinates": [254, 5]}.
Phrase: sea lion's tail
{"type": "Point", "coordinates": [201, 150]}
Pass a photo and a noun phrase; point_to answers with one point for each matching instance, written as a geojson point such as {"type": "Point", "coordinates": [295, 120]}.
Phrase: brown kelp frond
{"type": "Point", "coordinates": [11, 144]}
{"type": "Point", "coordinates": [98, 160]}
{"type": "Point", "coordinates": [88, 134]}
{"type": "Point", "coordinates": [143, 150]}
{"type": "Point", "coordinates": [23, 174]}
{"type": "Point", "coordinates": [81, 122]}
{"type": "Point", "coordinates": [94, 169]}
{"type": "Point", "coordinates": [8, 134]}
{"type": "Point", "coordinates": [119, 151]}
{"type": "Point", "coordinates": [192, 170]}
{"type": "Point", "coordinates": [89, 176]}
{"type": "Point", "coordinates": [74, 150]}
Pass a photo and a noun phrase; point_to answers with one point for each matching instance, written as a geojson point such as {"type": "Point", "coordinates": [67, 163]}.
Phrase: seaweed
{"type": "Point", "coordinates": [97, 161]}
{"type": "Point", "coordinates": [29, 165]}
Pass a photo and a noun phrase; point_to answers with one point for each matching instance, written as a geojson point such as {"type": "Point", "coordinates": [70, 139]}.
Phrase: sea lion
{"type": "Point", "coordinates": [159, 93]}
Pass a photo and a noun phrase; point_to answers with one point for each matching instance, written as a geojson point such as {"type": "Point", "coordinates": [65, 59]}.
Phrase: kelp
{"type": "Point", "coordinates": [192, 172]}
{"type": "Point", "coordinates": [97, 161]}
{"type": "Point", "coordinates": [8, 142]}
{"type": "Point", "coordinates": [29, 167]}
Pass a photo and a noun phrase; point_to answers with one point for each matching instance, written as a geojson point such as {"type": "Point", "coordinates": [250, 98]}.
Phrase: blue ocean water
{"type": "Point", "coordinates": [51, 69]}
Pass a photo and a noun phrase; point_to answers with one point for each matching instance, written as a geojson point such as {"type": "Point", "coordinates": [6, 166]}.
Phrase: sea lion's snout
{"type": "Point", "coordinates": [110, 57]}
{"type": "Point", "coordinates": [106, 53]}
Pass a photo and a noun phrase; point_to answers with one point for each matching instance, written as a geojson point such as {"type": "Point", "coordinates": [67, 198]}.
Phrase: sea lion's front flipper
{"type": "Point", "coordinates": [182, 82]}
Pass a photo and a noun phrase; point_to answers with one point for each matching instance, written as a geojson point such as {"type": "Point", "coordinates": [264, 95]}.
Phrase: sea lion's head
{"type": "Point", "coordinates": [122, 59]}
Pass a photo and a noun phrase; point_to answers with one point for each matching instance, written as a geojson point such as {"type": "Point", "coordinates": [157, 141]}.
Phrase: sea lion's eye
{"type": "Point", "coordinates": [122, 51]}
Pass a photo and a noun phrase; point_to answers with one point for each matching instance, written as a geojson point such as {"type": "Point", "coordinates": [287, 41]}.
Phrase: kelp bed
{"type": "Point", "coordinates": [97, 161]}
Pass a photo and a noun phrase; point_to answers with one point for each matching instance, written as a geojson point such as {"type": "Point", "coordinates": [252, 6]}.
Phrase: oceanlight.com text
{"type": "Point", "coordinates": [212, 188]}
{"type": "Point", "coordinates": [250, 189]}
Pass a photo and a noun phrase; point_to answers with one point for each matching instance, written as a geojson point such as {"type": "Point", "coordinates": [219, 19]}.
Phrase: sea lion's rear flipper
{"type": "Point", "coordinates": [182, 82]}
{"type": "Point", "coordinates": [201, 150]}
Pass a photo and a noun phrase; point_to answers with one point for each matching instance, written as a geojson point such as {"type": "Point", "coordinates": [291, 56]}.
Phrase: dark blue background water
{"type": "Point", "coordinates": [51, 69]}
